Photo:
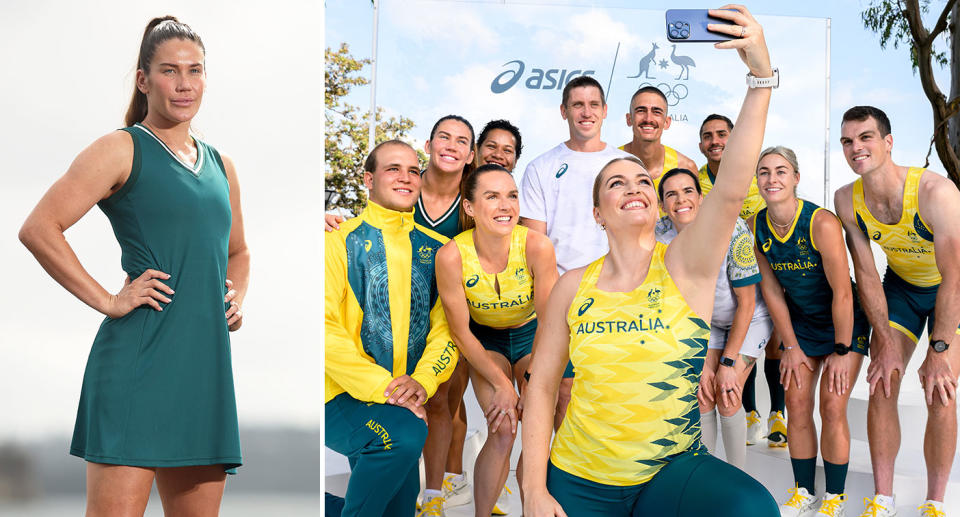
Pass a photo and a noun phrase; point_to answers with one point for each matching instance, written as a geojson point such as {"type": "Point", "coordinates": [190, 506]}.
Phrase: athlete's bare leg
{"type": "Point", "coordinates": [191, 491]}
{"type": "Point", "coordinates": [800, 427]}
{"type": "Point", "coordinates": [493, 462]}
{"type": "Point", "coordinates": [439, 430]}
{"type": "Point", "coordinates": [458, 385]}
{"type": "Point", "coordinates": [883, 422]}
{"type": "Point", "coordinates": [117, 490]}
{"type": "Point", "coordinates": [940, 441]}
{"type": "Point", "coordinates": [518, 370]}
{"type": "Point", "coordinates": [835, 434]}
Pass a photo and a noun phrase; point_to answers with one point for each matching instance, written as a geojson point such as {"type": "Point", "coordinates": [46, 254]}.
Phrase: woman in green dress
{"type": "Point", "coordinates": [157, 400]}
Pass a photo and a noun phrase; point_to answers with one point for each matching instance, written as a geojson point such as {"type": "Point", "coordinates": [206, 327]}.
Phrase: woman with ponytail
{"type": "Point", "coordinates": [493, 279]}
{"type": "Point", "coordinates": [157, 400]}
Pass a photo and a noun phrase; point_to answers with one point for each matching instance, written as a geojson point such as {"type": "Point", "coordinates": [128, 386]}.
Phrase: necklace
{"type": "Point", "coordinates": [778, 225]}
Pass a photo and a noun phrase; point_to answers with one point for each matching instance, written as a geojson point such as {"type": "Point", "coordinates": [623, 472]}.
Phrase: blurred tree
{"type": "Point", "coordinates": [347, 130]}
{"type": "Point", "coordinates": [900, 22]}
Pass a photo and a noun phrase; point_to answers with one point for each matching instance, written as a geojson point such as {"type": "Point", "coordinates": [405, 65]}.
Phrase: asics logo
{"type": "Point", "coordinates": [766, 245]}
{"type": "Point", "coordinates": [583, 308]}
{"type": "Point", "coordinates": [472, 281]}
{"type": "Point", "coordinates": [876, 235]}
{"type": "Point", "coordinates": [367, 244]}
{"type": "Point", "coordinates": [562, 170]}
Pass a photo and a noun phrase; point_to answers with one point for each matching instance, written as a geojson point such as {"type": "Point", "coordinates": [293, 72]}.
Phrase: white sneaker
{"type": "Point", "coordinates": [833, 505]}
{"type": "Point", "coordinates": [931, 508]}
{"type": "Point", "coordinates": [432, 508]}
{"type": "Point", "coordinates": [800, 504]}
{"type": "Point", "coordinates": [755, 428]}
{"type": "Point", "coordinates": [503, 502]}
{"type": "Point", "coordinates": [872, 508]}
{"type": "Point", "coordinates": [457, 490]}
{"type": "Point", "coordinates": [777, 425]}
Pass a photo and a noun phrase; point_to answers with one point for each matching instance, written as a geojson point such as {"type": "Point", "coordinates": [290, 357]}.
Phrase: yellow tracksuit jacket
{"type": "Point", "coordinates": [383, 316]}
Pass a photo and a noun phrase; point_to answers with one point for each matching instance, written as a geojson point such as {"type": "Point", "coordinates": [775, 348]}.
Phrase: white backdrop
{"type": "Point", "coordinates": [487, 61]}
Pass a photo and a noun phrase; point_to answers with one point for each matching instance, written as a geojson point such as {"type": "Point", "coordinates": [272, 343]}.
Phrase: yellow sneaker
{"type": "Point", "coordinates": [929, 509]}
{"type": "Point", "coordinates": [755, 429]}
{"type": "Point", "coordinates": [503, 502]}
{"type": "Point", "coordinates": [873, 508]}
{"type": "Point", "coordinates": [833, 505]}
{"type": "Point", "coordinates": [457, 490]}
{"type": "Point", "coordinates": [800, 503]}
{"type": "Point", "coordinates": [432, 508]}
{"type": "Point", "coordinates": [778, 430]}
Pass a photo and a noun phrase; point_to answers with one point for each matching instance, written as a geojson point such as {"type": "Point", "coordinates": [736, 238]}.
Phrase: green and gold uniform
{"type": "Point", "coordinates": [158, 386]}
{"type": "Point", "coordinates": [383, 319]}
{"type": "Point", "coordinates": [751, 205]}
{"type": "Point", "coordinates": [912, 277]}
{"type": "Point", "coordinates": [798, 266]}
{"type": "Point", "coordinates": [633, 422]}
{"type": "Point", "coordinates": [502, 315]}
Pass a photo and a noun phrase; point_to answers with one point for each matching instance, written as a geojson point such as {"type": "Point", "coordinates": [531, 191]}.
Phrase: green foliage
{"type": "Point", "coordinates": [887, 19]}
{"type": "Point", "coordinates": [347, 129]}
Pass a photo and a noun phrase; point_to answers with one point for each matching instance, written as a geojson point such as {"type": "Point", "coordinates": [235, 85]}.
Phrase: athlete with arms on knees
{"type": "Point", "coordinates": [912, 214]}
{"type": "Point", "coordinates": [491, 279]}
{"type": "Point", "coordinates": [552, 199]}
{"type": "Point", "coordinates": [387, 345]}
{"type": "Point", "coordinates": [714, 132]}
{"type": "Point", "coordinates": [634, 323]}
{"type": "Point", "coordinates": [739, 327]}
{"type": "Point", "coordinates": [157, 401]}
{"type": "Point", "coordinates": [806, 285]}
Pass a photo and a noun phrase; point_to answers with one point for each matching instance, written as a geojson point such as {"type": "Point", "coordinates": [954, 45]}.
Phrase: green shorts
{"type": "Point", "coordinates": [514, 343]}
{"type": "Point", "coordinates": [691, 484]}
{"type": "Point", "coordinates": [818, 339]}
{"type": "Point", "coordinates": [910, 307]}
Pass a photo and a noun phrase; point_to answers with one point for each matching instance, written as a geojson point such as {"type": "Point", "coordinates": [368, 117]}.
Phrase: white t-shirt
{"type": "Point", "coordinates": [740, 269]}
{"type": "Point", "coordinates": [557, 188]}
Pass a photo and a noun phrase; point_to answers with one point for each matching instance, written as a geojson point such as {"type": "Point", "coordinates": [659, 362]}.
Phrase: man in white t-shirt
{"type": "Point", "coordinates": [555, 194]}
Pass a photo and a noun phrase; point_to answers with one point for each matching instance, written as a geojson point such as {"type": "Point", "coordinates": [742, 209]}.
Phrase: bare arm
{"type": "Point", "coordinates": [543, 262]}
{"type": "Point", "coordinates": [684, 162]}
{"type": "Point", "coordinates": [533, 224]}
{"type": "Point", "coordinates": [552, 342]}
{"type": "Point", "coordinates": [746, 303]}
{"type": "Point", "coordinates": [828, 238]}
{"type": "Point", "coordinates": [238, 255]}
{"type": "Point", "coordinates": [95, 174]}
{"type": "Point", "coordinates": [694, 257]}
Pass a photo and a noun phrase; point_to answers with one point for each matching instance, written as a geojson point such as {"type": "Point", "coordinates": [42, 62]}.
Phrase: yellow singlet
{"type": "Point", "coordinates": [513, 305]}
{"type": "Point", "coordinates": [908, 244]}
{"type": "Point", "coordinates": [637, 358]}
{"type": "Point", "coordinates": [751, 205]}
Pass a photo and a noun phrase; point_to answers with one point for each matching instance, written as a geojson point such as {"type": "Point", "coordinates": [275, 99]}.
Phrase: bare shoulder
{"type": "Point", "coordinates": [932, 183]}
{"type": "Point", "coordinates": [448, 256]}
{"type": "Point", "coordinates": [826, 221]}
{"type": "Point", "coordinates": [685, 162]}
{"type": "Point", "coordinates": [567, 285]}
{"type": "Point", "coordinates": [751, 221]}
{"type": "Point", "coordinates": [538, 243]}
{"type": "Point", "coordinates": [113, 149]}
{"type": "Point", "coordinates": [843, 200]}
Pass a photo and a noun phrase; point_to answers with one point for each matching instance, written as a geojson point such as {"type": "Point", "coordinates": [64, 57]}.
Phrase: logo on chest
{"type": "Point", "coordinates": [426, 254]}
{"type": "Point", "coordinates": [562, 170]}
{"type": "Point", "coordinates": [639, 324]}
{"type": "Point", "coordinates": [472, 281]}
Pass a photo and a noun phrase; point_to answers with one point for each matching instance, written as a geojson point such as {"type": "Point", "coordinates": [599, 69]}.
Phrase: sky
{"type": "Point", "coordinates": [67, 78]}
{"type": "Point", "coordinates": [456, 49]}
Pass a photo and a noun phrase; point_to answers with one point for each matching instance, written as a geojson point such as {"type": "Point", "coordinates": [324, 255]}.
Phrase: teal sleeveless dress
{"type": "Point", "coordinates": [158, 386]}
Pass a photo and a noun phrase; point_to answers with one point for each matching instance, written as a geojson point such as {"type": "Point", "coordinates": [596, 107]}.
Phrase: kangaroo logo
{"type": "Point", "coordinates": [645, 63]}
{"type": "Point", "coordinates": [876, 235]}
{"type": "Point", "coordinates": [521, 275]}
{"type": "Point", "coordinates": [562, 170]}
{"type": "Point", "coordinates": [367, 244]}
{"type": "Point", "coordinates": [802, 246]}
{"type": "Point", "coordinates": [913, 236]}
{"type": "Point", "coordinates": [653, 296]}
{"type": "Point", "coordinates": [767, 244]}
{"type": "Point", "coordinates": [472, 281]}
{"type": "Point", "coordinates": [685, 62]}
{"type": "Point", "coordinates": [426, 253]}
{"type": "Point", "coordinates": [583, 307]}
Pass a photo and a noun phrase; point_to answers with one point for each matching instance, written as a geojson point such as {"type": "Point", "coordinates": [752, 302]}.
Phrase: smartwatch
{"type": "Point", "coordinates": [726, 361]}
{"type": "Point", "coordinates": [841, 349]}
{"type": "Point", "coordinates": [939, 345]}
{"type": "Point", "coordinates": [764, 82]}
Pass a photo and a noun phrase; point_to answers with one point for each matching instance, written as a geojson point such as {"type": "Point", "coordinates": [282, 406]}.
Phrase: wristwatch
{"type": "Point", "coordinates": [939, 345]}
{"type": "Point", "coordinates": [726, 361]}
{"type": "Point", "coordinates": [764, 82]}
{"type": "Point", "coordinates": [841, 349]}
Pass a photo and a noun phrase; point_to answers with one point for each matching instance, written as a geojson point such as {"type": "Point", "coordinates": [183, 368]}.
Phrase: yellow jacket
{"type": "Point", "coordinates": [380, 289]}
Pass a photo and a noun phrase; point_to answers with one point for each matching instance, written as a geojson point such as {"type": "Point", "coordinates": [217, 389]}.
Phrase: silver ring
{"type": "Point", "coordinates": [729, 391]}
{"type": "Point", "coordinates": [503, 411]}
{"type": "Point", "coordinates": [743, 30]}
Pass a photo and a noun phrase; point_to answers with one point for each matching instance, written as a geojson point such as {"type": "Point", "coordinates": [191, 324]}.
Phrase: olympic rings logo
{"type": "Point", "coordinates": [673, 94]}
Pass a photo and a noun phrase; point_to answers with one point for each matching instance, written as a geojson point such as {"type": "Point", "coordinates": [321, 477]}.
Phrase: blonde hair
{"type": "Point", "coordinates": [785, 152]}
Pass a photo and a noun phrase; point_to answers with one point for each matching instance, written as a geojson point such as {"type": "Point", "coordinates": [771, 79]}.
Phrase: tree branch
{"type": "Point", "coordinates": [941, 24]}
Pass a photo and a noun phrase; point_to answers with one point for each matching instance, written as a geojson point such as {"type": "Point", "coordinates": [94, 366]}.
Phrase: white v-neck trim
{"type": "Point", "coordinates": [437, 222]}
{"type": "Point", "coordinates": [195, 169]}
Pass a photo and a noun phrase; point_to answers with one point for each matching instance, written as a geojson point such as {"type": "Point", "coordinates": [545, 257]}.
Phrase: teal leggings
{"type": "Point", "coordinates": [382, 443]}
{"type": "Point", "coordinates": [693, 484]}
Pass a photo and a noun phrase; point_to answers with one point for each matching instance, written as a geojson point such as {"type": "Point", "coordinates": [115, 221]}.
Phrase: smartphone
{"type": "Point", "coordinates": [690, 25]}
